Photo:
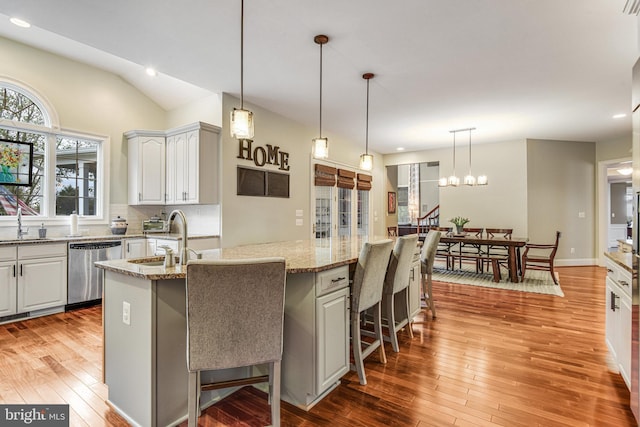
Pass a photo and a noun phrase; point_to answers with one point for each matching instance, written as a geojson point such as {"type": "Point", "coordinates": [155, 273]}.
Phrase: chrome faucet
{"type": "Point", "coordinates": [184, 252]}
{"type": "Point", "coordinates": [21, 232]}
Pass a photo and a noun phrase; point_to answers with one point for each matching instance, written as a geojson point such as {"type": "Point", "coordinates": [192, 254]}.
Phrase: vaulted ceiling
{"type": "Point", "coordinates": [544, 69]}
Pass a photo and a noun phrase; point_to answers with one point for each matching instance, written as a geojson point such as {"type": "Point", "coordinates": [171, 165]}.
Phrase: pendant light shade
{"type": "Point", "coordinates": [470, 179]}
{"type": "Point", "coordinates": [366, 159]}
{"type": "Point", "coordinates": [320, 144]}
{"type": "Point", "coordinates": [241, 123]}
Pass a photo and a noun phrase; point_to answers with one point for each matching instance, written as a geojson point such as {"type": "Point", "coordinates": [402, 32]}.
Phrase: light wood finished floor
{"type": "Point", "coordinates": [491, 358]}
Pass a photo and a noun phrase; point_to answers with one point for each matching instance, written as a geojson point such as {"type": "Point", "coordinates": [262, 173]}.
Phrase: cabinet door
{"type": "Point", "coordinates": [332, 338]}
{"type": "Point", "coordinates": [7, 288]}
{"type": "Point", "coordinates": [611, 317]}
{"type": "Point", "coordinates": [146, 163]}
{"type": "Point", "coordinates": [414, 290]}
{"type": "Point", "coordinates": [170, 197]}
{"type": "Point", "coordinates": [191, 171]}
{"type": "Point", "coordinates": [181, 166]}
{"type": "Point", "coordinates": [135, 248]}
{"type": "Point", "coordinates": [42, 283]}
{"type": "Point", "coordinates": [624, 347]}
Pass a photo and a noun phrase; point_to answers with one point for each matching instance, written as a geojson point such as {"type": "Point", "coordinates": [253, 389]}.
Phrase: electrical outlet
{"type": "Point", "coordinates": [126, 313]}
{"type": "Point", "coordinates": [299, 213]}
{"type": "Point", "coordinates": [581, 215]}
{"type": "Point", "coordinates": [298, 221]}
{"type": "Point", "coordinates": [573, 250]}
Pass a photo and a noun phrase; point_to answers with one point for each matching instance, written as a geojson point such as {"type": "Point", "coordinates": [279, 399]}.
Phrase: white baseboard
{"type": "Point", "coordinates": [575, 262]}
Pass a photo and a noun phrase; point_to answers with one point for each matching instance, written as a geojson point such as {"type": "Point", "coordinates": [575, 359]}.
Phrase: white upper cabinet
{"type": "Point", "coordinates": [146, 157]}
{"type": "Point", "coordinates": [189, 167]}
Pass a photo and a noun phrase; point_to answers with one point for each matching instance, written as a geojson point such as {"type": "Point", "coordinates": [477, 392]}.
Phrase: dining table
{"type": "Point", "coordinates": [513, 245]}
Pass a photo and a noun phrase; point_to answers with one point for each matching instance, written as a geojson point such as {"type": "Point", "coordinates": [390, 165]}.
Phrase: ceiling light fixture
{"type": "Point", "coordinates": [625, 171]}
{"type": "Point", "coordinates": [241, 119]}
{"type": "Point", "coordinates": [19, 22]}
{"type": "Point", "coordinates": [366, 159]}
{"type": "Point", "coordinates": [619, 116]}
{"type": "Point", "coordinates": [151, 71]}
{"type": "Point", "coordinates": [320, 144]}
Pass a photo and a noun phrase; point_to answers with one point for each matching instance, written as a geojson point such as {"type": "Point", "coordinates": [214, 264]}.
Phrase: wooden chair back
{"type": "Point", "coordinates": [499, 232]}
{"type": "Point", "coordinates": [392, 231]}
{"type": "Point", "coordinates": [477, 232]}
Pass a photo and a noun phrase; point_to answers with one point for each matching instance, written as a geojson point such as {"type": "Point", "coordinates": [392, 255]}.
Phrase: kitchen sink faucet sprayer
{"type": "Point", "coordinates": [184, 252]}
{"type": "Point", "coordinates": [21, 232]}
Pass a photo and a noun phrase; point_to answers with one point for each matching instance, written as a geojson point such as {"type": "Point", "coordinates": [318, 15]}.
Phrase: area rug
{"type": "Point", "coordinates": [538, 282]}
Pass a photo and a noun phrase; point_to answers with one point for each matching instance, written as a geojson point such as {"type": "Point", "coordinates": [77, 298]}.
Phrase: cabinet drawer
{"type": "Point", "coordinates": [330, 280]}
{"type": "Point", "coordinates": [45, 250]}
{"type": "Point", "coordinates": [8, 253]}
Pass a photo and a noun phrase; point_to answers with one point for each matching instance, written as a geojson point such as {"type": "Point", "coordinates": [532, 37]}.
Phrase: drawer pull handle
{"type": "Point", "coordinates": [624, 283]}
{"type": "Point", "coordinates": [609, 270]}
{"type": "Point", "coordinates": [338, 279]}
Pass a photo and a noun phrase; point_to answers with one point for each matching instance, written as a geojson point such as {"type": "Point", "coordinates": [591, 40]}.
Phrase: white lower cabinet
{"type": "Point", "coordinates": [414, 289]}
{"type": "Point", "coordinates": [134, 248]}
{"type": "Point", "coordinates": [316, 335]}
{"type": "Point", "coordinates": [33, 278]}
{"type": "Point", "coordinates": [332, 344]}
{"type": "Point", "coordinates": [618, 318]}
{"type": "Point", "coordinates": [8, 256]}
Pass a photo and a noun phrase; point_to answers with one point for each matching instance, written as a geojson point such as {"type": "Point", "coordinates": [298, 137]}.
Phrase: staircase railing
{"type": "Point", "coordinates": [429, 220]}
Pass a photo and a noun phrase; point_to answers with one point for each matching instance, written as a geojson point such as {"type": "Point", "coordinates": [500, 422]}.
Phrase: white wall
{"type": "Point", "coordinates": [501, 204]}
{"type": "Point", "coordinates": [247, 219]}
{"type": "Point", "coordinates": [86, 99]}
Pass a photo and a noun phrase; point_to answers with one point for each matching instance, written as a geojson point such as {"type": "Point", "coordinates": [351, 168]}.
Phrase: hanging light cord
{"type": "Point", "coordinates": [366, 134]}
{"type": "Point", "coordinates": [242, 55]}
{"type": "Point", "coordinates": [470, 151]}
{"type": "Point", "coordinates": [320, 90]}
{"type": "Point", "coordinates": [454, 153]}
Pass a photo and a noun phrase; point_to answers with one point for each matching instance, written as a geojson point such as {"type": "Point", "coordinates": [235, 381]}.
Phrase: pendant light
{"type": "Point", "coordinates": [320, 144]}
{"type": "Point", "coordinates": [241, 119]}
{"type": "Point", "coordinates": [366, 159]}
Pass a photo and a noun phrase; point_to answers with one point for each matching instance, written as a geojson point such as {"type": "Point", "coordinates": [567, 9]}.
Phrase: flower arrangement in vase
{"type": "Point", "coordinates": [459, 222]}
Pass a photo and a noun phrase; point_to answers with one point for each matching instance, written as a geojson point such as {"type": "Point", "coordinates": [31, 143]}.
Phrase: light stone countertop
{"type": "Point", "coordinates": [302, 256]}
{"type": "Point", "coordinates": [98, 238]}
{"type": "Point", "coordinates": [623, 259]}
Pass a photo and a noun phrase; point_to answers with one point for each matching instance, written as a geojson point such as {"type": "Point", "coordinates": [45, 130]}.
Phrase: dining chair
{"type": "Point", "coordinates": [497, 255]}
{"type": "Point", "coordinates": [541, 258]}
{"type": "Point", "coordinates": [470, 251]}
{"type": "Point", "coordinates": [225, 329]}
{"type": "Point", "coordinates": [397, 280]}
{"type": "Point", "coordinates": [366, 293]}
{"type": "Point", "coordinates": [445, 249]}
{"type": "Point", "coordinates": [427, 258]}
{"type": "Point", "coordinates": [392, 231]}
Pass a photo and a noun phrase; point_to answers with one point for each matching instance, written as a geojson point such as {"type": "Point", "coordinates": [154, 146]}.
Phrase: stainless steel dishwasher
{"type": "Point", "coordinates": [84, 279]}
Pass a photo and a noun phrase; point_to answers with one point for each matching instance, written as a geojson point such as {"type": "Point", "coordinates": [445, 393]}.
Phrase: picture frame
{"type": "Point", "coordinates": [391, 202]}
{"type": "Point", "coordinates": [16, 163]}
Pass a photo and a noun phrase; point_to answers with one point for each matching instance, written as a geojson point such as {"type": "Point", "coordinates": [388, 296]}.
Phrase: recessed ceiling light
{"type": "Point", "coordinates": [151, 72]}
{"type": "Point", "coordinates": [625, 171]}
{"type": "Point", "coordinates": [400, 148]}
{"type": "Point", "coordinates": [19, 22]}
{"type": "Point", "coordinates": [619, 116]}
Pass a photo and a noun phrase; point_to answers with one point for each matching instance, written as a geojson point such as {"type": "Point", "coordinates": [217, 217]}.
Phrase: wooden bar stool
{"type": "Point", "coordinates": [235, 314]}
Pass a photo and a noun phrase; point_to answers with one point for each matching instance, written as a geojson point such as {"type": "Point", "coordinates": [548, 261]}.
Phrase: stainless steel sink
{"type": "Point", "coordinates": [151, 263]}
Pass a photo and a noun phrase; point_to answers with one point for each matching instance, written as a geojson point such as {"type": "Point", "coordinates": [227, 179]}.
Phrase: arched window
{"type": "Point", "coordinates": [65, 167]}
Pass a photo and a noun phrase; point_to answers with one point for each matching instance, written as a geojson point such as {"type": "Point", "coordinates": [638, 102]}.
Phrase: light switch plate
{"type": "Point", "coordinates": [126, 313]}
{"type": "Point", "coordinates": [298, 221]}
{"type": "Point", "coordinates": [299, 213]}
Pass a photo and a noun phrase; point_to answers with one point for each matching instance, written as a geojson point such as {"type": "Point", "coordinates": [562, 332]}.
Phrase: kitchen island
{"type": "Point", "coordinates": [145, 327]}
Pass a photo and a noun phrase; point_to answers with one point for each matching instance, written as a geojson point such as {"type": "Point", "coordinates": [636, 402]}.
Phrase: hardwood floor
{"type": "Point", "coordinates": [491, 358]}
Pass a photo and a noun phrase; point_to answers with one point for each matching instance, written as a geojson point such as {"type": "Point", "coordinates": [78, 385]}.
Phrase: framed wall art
{"type": "Point", "coordinates": [391, 202]}
{"type": "Point", "coordinates": [16, 162]}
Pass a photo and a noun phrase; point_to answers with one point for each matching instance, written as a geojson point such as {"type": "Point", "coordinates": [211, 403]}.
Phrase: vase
{"type": "Point", "coordinates": [459, 229]}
